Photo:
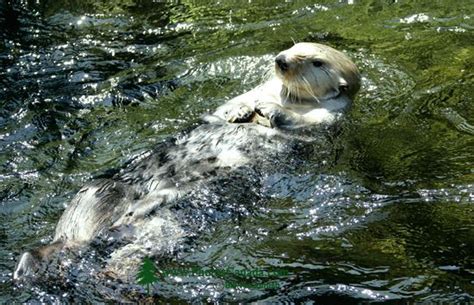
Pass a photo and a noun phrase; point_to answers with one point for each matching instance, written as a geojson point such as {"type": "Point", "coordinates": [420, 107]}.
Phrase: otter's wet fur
{"type": "Point", "coordinates": [136, 207]}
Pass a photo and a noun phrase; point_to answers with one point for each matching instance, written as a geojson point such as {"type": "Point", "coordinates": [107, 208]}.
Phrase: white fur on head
{"type": "Point", "coordinates": [317, 72]}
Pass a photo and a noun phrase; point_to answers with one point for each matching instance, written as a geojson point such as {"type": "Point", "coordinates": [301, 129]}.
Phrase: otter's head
{"type": "Point", "coordinates": [312, 71]}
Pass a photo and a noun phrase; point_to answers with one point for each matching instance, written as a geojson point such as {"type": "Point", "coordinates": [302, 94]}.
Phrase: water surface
{"type": "Point", "coordinates": [381, 212]}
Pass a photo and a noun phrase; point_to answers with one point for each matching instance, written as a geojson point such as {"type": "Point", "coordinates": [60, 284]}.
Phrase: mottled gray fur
{"type": "Point", "coordinates": [132, 206]}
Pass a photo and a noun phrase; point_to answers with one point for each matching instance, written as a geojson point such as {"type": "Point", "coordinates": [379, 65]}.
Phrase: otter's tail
{"type": "Point", "coordinates": [31, 262]}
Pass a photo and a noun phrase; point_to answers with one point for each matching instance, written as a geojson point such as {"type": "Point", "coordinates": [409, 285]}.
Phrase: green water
{"type": "Point", "coordinates": [382, 212]}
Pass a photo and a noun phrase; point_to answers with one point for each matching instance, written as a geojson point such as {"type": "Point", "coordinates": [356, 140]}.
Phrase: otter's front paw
{"type": "Point", "coordinates": [276, 114]}
{"type": "Point", "coordinates": [236, 113]}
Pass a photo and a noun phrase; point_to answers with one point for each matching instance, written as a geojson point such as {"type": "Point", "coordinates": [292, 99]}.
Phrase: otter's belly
{"type": "Point", "coordinates": [139, 190]}
{"type": "Point", "coordinates": [156, 221]}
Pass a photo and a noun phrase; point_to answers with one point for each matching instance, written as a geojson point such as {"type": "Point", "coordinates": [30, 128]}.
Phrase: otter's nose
{"type": "Point", "coordinates": [281, 62]}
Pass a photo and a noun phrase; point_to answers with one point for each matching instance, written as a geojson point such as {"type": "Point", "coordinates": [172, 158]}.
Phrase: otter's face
{"type": "Point", "coordinates": [312, 71]}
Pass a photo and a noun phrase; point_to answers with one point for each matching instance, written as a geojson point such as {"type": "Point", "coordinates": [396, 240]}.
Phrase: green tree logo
{"type": "Point", "coordinates": [147, 274]}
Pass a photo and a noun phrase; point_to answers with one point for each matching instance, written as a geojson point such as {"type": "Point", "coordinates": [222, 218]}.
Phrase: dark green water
{"type": "Point", "coordinates": [383, 212]}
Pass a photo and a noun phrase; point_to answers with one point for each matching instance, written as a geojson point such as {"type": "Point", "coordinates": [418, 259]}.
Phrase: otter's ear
{"type": "Point", "coordinates": [342, 83]}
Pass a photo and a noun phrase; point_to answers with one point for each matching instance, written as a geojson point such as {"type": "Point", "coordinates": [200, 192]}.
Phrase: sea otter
{"type": "Point", "coordinates": [312, 84]}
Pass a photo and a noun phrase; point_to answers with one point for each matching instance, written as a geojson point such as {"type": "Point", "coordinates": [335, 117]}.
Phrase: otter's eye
{"type": "Point", "coordinates": [317, 63]}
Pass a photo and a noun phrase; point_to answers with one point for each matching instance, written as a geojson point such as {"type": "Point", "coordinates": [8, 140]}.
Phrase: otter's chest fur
{"type": "Point", "coordinates": [210, 150]}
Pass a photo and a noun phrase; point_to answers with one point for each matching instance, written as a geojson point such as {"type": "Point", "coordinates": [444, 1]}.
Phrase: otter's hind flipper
{"type": "Point", "coordinates": [95, 207]}
{"type": "Point", "coordinates": [31, 262]}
